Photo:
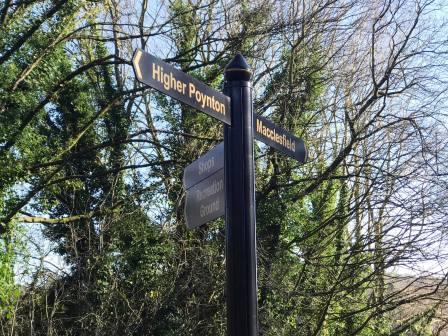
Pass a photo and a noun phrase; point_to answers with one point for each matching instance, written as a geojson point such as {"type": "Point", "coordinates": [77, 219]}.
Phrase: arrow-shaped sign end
{"type": "Point", "coordinates": [136, 63]}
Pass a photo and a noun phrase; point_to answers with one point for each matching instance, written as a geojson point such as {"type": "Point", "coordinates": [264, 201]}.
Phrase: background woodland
{"type": "Point", "coordinates": [92, 233]}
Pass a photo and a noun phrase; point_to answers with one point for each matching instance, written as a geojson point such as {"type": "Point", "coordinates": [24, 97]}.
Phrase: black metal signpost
{"type": "Point", "coordinates": [222, 181]}
{"type": "Point", "coordinates": [241, 259]}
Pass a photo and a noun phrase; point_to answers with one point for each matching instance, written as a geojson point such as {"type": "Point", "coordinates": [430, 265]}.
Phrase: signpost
{"type": "Point", "coordinates": [222, 181]}
{"type": "Point", "coordinates": [177, 84]}
{"type": "Point", "coordinates": [241, 256]}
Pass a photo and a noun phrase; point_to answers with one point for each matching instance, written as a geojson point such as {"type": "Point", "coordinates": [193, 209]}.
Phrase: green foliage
{"type": "Point", "coordinates": [9, 290]}
{"type": "Point", "coordinates": [184, 15]}
{"type": "Point", "coordinates": [83, 144]}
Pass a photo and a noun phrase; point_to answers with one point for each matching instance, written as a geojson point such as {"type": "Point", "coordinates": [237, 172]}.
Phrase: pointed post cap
{"type": "Point", "coordinates": [237, 69]}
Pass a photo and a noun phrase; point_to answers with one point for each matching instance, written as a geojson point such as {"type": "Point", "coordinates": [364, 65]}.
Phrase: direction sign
{"type": "Point", "coordinates": [276, 137]}
{"type": "Point", "coordinates": [167, 79]}
{"type": "Point", "coordinates": [205, 181]}
{"type": "Point", "coordinates": [205, 166]}
{"type": "Point", "coordinates": [205, 201]}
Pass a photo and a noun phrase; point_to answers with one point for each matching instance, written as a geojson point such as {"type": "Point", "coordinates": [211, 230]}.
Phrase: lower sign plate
{"type": "Point", "coordinates": [205, 201]}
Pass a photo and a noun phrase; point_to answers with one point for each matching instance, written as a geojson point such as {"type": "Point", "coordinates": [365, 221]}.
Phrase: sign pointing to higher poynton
{"type": "Point", "coordinates": [167, 79]}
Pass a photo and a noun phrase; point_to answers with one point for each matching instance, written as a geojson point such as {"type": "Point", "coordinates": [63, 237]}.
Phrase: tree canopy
{"type": "Point", "coordinates": [92, 230]}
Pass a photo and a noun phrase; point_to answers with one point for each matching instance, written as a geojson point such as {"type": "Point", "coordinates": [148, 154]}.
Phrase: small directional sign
{"type": "Point", "coordinates": [205, 166]}
{"type": "Point", "coordinates": [167, 79]}
{"type": "Point", "coordinates": [276, 137]}
{"type": "Point", "coordinates": [204, 182]}
{"type": "Point", "coordinates": [205, 201]}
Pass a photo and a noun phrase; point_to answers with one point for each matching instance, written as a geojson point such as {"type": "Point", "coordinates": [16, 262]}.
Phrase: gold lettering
{"type": "Point", "coordinates": [156, 72]}
{"type": "Point", "coordinates": [271, 133]}
{"type": "Point", "coordinates": [191, 89]}
{"type": "Point", "coordinates": [209, 103]}
{"type": "Point", "coordinates": [259, 126]}
{"type": "Point", "coordinates": [203, 99]}
{"type": "Point", "coordinates": [166, 81]}
{"type": "Point", "coordinates": [173, 81]}
{"type": "Point", "coordinates": [179, 86]}
{"type": "Point", "coordinates": [222, 109]}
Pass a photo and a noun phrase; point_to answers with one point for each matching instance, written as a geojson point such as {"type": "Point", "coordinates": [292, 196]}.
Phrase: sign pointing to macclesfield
{"type": "Point", "coordinates": [278, 138]}
{"type": "Point", "coordinates": [167, 79]}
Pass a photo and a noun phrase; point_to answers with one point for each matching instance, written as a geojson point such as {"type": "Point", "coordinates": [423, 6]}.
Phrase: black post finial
{"type": "Point", "coordinates": [237, 69]}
